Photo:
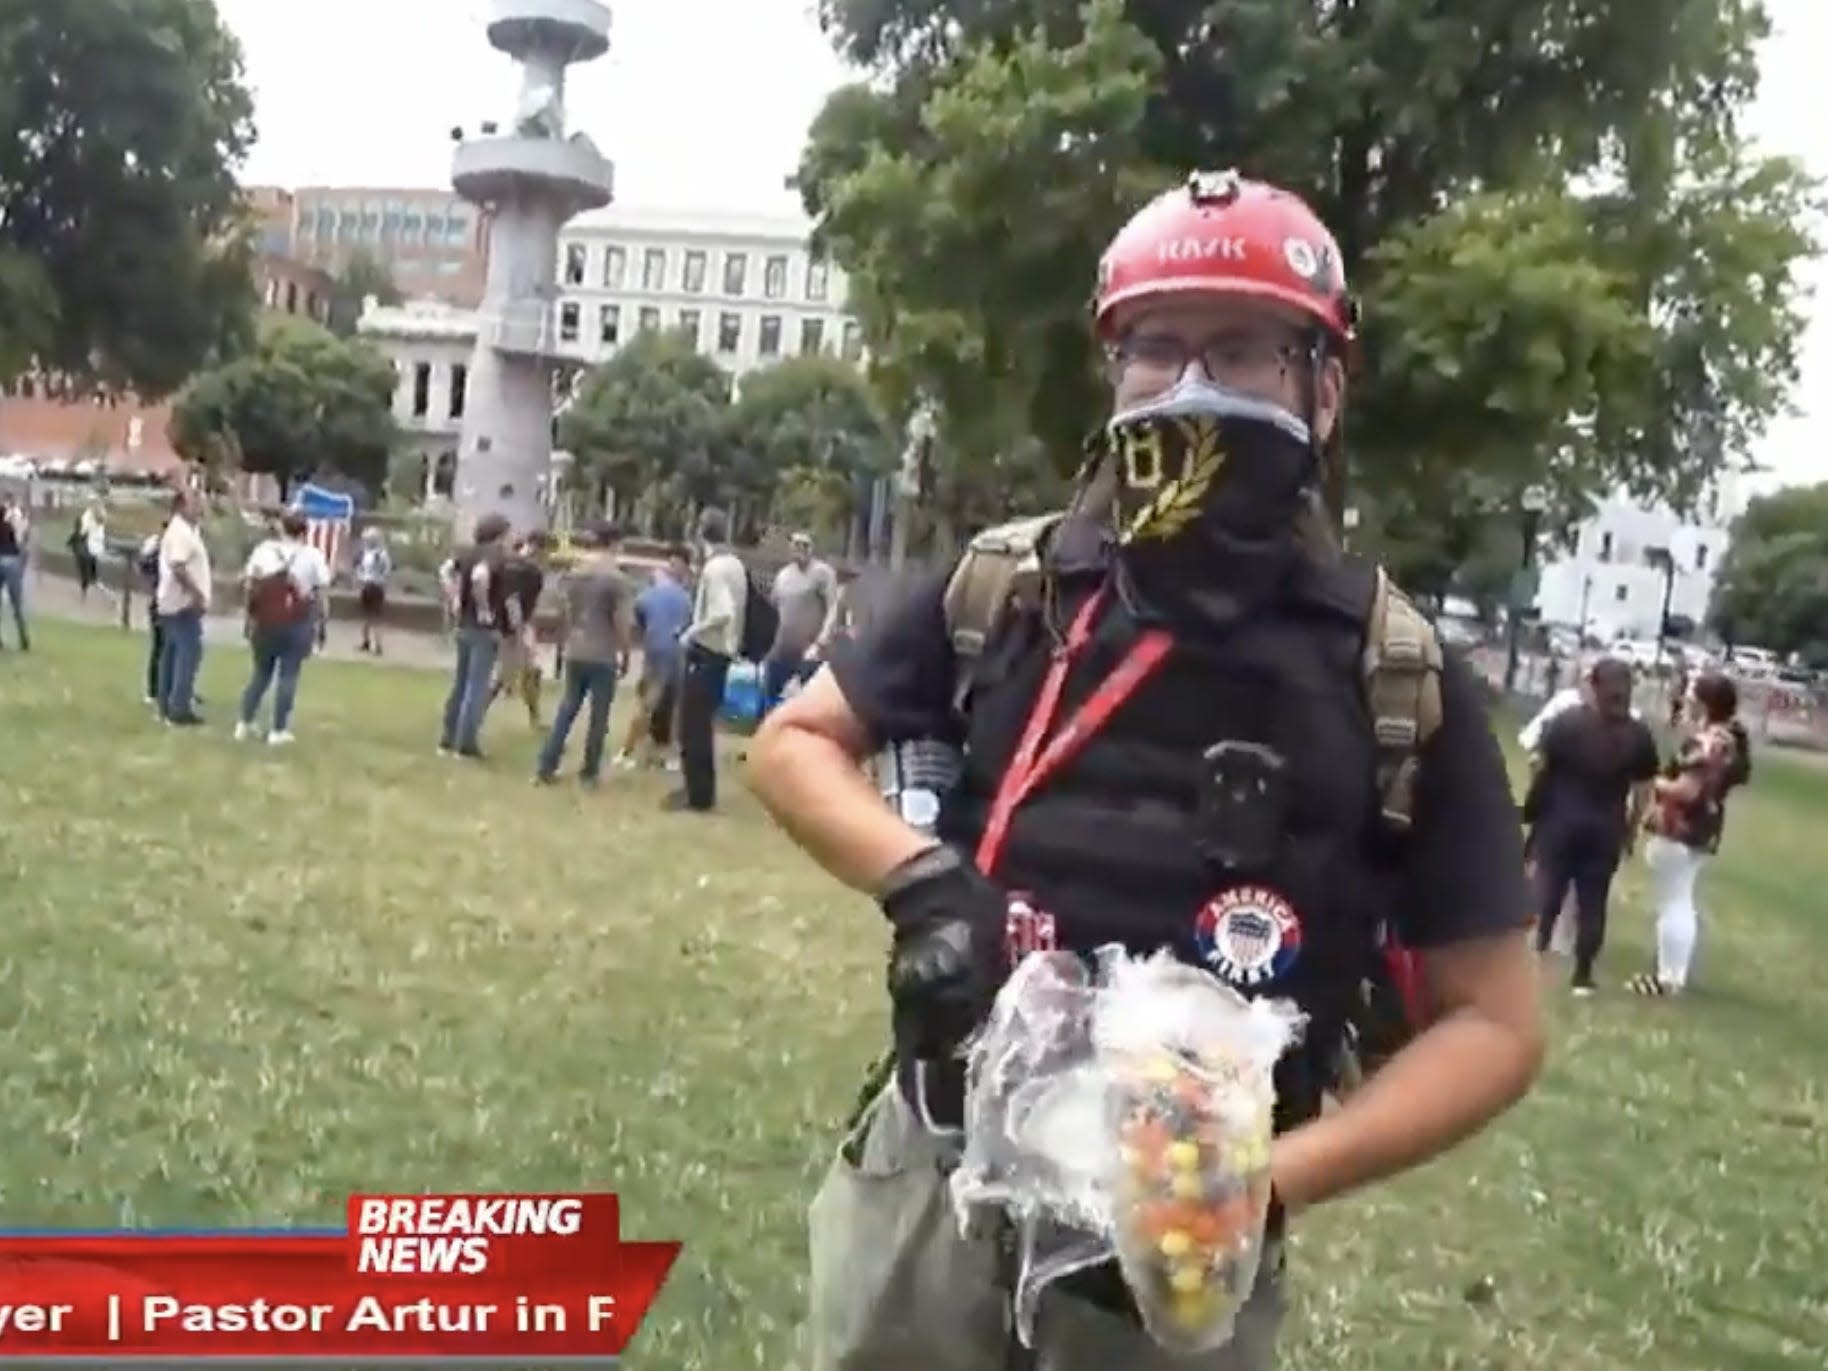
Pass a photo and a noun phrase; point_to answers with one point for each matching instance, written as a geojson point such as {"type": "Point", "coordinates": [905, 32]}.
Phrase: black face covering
{"type": "Point", "coordinates": [1208, 485]}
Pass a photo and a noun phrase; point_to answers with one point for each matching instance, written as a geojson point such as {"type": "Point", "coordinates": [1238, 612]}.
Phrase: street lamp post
{"type": "Point", "coordinates": [1664, 559]}
{"type": "Point", "coordinates": [1531, 505]}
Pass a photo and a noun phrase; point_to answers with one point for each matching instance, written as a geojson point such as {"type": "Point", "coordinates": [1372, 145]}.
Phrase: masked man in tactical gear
{"type": "Point", "coordinates": [1165, 742]}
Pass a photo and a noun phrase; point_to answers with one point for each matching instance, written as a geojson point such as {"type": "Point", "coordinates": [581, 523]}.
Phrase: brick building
{"type": "Point", "coordinates": [45, 418]}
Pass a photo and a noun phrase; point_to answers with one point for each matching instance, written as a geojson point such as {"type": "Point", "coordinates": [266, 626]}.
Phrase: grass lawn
{"type": "Point", "coordinates": [236, 984]}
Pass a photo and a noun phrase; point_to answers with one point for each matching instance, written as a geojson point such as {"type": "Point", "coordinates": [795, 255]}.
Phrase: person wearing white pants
{"type": "Point", "coordinates": [1674, 868]}
{"type": "Point", "coordinates": [1685, 824]}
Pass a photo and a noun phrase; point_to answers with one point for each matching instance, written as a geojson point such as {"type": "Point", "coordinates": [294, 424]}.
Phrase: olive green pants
{"type": "Point", "coordinates": [895, 1287]}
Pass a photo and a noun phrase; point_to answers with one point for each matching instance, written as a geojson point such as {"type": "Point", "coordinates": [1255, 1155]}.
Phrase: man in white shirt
{"type": "Point", "coordinates": [284, 584]}
{"type": "Point", "coordinates": [182, 599]}
{"type": "Point", "coordinates": [711, 643]}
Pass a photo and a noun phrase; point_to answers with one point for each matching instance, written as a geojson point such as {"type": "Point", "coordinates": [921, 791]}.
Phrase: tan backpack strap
{"type": "Point", "coordinates": [1403, 685]}
{"type": "Point", "coordinates": [1000, 566]}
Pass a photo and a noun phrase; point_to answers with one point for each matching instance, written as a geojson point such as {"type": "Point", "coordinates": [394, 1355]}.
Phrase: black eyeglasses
{"type": "Point", "coordinates": [1241, 359]}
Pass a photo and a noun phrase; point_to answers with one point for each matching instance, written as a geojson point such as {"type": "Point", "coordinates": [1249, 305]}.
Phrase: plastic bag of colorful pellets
{"type": "Point", "coordinates": [1125, 1110]}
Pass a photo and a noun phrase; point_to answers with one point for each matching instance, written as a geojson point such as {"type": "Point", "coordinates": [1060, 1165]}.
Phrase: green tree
{"type": "Point", "coordinates": [650, 424]}
{"type": "Point", "coordinates": [1772, 589]}
{"type": "Point", "coordinates": [1639, 329]}
{"type": "Point", "coordinates": [125, 254]}
{"type": "Point", "coordinates": [814, 431]}
{"type": "Point", "coordinates": [362, 275]}
{"type": "Point", "coordinates": [303, 402]}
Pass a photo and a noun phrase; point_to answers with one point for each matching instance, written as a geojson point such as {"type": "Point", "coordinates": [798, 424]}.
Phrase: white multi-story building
{"type": "Point", "coordinates": [749, 290]}
{"type": "Point", "coordinates": [430, 344]}
{"type": "Point", "coordinates": [1613, 581]}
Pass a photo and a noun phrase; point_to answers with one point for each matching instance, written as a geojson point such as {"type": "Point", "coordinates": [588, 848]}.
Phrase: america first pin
{"type": "Point", "coordinates": [1249, 935]}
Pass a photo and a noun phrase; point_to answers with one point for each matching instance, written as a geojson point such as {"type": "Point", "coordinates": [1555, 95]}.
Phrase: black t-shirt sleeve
{"type": "Point", "coordinates": [1462, 875]}
{"type": "Point", "coordinates": [898, 674]}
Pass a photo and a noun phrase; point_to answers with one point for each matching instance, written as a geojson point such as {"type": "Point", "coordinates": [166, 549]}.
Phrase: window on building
{"type": "Point", "coordinates": [460, 381]}
{"type": "Point", "coordinates": [1605, 547]}
{"type": "Point", "coordinates": [812, 337]}
{"type": "Point", "coordinates": [568, 322]}
{"type": "Point", "coordinates": [615, 267]}
{"type": "Point", "coordinates": [422, 389]}
{"type": "Point", "coordinates": [1620, 594]}
{"type": "Point", "coordinates": [729, 333]}
{"type": "Point", "coordinates": [456, 229]}
{"type": "Point", "coordinates": [609, 324]}
{"type": "Point", "coordinates": [736, 272]}
{"type": "Point", "coordinates": [694, 275]}
{"type": "Point", "coordinates": [346, 224]}
{"type": "Point", "coordinates": [574, 264]}
{"type": "Point", "coordinates": [653, 269]}
{"type": "Point", "coordinates": [774, 277]}
{"type": "Point", "coordinates": [690, 321]}
{"type": "Point", "coordinates": [1701, 557]}
{"type": "Point", "coordinates": [817, 278]}
{"type": "Point", "coordinates": [650, 319]}
{"type": "Point", "coordinates": [371, 224]}
{"type": "Point", "coordinates": [853, 341]}
{"type": "Point", "coordinates": [412, 228]}
{"type": "Point", "coordinates": [390, 225]}
{"type": "Point", "coordinates": [770, 345]}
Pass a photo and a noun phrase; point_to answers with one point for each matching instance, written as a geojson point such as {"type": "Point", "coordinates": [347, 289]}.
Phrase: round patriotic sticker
{"type": "Point", "coordinates": [1249, 935]}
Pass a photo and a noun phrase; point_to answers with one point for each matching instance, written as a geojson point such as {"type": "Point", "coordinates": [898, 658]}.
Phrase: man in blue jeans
{"type": "Point", "coordinates": [182, 600]}
{"type": "Point", "coordinates": [598, 609]}
{"type": "Point", "coordinates": [474, 591]}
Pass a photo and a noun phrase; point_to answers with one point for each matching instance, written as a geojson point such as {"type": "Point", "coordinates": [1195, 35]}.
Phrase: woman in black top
{"type": "Point", "coordinates": [1585, 803]}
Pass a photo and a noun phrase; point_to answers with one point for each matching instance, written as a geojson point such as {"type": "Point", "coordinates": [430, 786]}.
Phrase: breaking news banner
{"type": "Point", "coordinates": [526, 1279]}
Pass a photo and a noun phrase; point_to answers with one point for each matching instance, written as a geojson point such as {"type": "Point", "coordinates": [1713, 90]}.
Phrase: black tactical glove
{"type": "Point", "coordinates": [947, 959]}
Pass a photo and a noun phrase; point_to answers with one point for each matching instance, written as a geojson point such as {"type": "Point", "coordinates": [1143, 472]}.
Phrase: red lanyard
{"type": "Point", "coordinates": [1030, 766]}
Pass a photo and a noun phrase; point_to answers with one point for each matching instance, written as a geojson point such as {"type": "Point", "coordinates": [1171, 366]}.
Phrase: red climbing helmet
{"type": "Point", "coordinates": [1223, 235]}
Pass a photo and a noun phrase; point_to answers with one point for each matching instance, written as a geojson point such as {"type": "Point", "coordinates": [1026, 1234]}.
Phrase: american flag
{"type": "Point", "coordinates": [327, 536]}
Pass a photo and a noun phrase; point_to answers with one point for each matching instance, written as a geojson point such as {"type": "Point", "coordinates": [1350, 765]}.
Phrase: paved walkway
{"type": "Point", "coordinates": [56, 597]}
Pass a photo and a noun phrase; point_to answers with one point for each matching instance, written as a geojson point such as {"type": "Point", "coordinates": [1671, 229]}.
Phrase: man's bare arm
{"type": "Point", "coordinates": [1479, 1055]}
{"type": "Point", "coordinates": [806, 765]}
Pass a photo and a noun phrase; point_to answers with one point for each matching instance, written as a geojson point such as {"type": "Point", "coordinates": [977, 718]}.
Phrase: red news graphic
{"type": "Point", "coordinates": [451, 1276]}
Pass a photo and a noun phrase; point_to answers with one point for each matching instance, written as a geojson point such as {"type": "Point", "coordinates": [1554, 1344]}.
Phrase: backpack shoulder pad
{"type": "Point", "coordinates": [1402, 669]}
{"type": "Point", "coordinates": [996, 564]}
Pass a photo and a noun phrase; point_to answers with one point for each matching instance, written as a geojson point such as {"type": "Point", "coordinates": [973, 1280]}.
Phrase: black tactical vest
{"type": "Point", "coordinates": [1111, 845]}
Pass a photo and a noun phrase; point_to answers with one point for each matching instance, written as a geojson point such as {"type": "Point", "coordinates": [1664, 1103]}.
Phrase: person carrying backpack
{"type": "Point", "coordinates": [284, 585]}
{"type": "Point", "coordinates": [1186, 720]}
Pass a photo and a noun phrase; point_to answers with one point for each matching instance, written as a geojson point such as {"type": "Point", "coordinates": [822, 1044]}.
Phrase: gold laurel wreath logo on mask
{"type": "Point", "coordinates": [1177, 503]}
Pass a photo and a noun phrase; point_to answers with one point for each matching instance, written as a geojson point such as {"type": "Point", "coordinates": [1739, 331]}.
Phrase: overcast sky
{"type": "Point", "coordinates": [703, 104]}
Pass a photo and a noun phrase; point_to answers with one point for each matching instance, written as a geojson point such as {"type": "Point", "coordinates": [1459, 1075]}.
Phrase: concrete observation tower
{"type": "Point", "coordinates": [529, 180]}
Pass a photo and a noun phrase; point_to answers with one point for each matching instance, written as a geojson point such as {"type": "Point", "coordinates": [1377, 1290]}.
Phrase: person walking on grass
{"type": "Point", "coordinates": [182, 600]}
{"type": "Point", "coordinates": [89, 546]}
{"type": "Point", "coordinates": [373, 567]}
{"type": "Point", "coordinates": [284, 583]}
{"type": "Point", "coordinates": [597, 608]}
{"type": "Point", "coordinates": [711, 642]}
{"type": "Point", "coordinates": [1586, 802]}
{"type": "Point", "coordinates": [523, 583]}
{"type": "Point", "coordinates": [475, 595]}
{"type": "Point", "coordinates": [1561, 937]}
{"type": "Point", "coordinates": [662, 612]}
{"type": "Point", "coordinates": [15, 533]}
{"type": "Point", "coordinates": [1686, 820]}
{"type": "Point", "coordinates": [806, 596]}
